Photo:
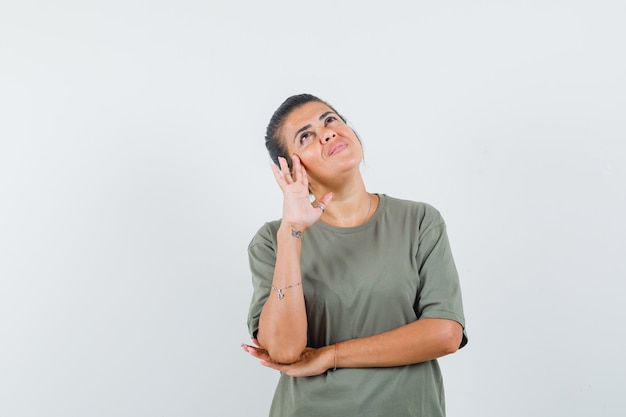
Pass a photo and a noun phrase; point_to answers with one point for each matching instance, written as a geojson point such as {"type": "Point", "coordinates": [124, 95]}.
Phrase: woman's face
{"type": "Point", "coordinates": [326, 146]}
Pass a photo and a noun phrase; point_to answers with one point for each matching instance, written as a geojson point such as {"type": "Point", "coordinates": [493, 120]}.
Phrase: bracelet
{"type": "Point", "coordinates": [280, 290]}
{"type": "Point", "coordinates": [336, 349]}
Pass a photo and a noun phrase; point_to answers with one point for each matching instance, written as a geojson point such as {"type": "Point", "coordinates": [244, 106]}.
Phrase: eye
{"type": "Point", "coordinates": [330, 119]}
{"type": "Point", "coordinates": [303, 137]}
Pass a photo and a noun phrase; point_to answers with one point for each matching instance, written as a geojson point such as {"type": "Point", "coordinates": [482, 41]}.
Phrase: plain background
{"type": "Point", "coordinates": [133, 174]}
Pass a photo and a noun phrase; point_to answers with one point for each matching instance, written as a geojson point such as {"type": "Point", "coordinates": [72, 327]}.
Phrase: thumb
{"type": "Point", "coordinates": [326, 199]}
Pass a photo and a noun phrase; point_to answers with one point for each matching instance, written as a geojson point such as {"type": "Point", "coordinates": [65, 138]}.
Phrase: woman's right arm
{"type": "Point", "coordinates": [283, 322]}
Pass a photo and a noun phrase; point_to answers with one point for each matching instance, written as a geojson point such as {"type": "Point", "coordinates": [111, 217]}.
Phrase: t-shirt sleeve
{"type": "Point", "coordinates": [262, 258]}
{"type": "Point", "coordinates": [439, 294]}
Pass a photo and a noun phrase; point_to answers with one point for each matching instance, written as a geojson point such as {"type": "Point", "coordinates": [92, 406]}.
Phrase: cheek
{"type": "Point", "coordinates": [306, 156]}
{"type": "Point", "coordinates": [311, 164]}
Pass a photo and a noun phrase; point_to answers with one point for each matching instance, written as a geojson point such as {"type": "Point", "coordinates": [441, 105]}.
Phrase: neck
{"type": "Point", "coordinates": [349, 207]}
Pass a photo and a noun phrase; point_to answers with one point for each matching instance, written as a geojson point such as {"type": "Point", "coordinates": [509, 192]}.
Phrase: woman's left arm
{"type": "Point", "coordinates": [419, 341]}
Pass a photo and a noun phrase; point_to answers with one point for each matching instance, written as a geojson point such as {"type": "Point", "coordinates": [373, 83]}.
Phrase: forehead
{"type": "Point", "coordinates": [307, 114]}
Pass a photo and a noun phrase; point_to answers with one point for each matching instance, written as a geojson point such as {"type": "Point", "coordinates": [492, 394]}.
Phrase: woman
{"type": "Point", "coordinates": [355, 294]}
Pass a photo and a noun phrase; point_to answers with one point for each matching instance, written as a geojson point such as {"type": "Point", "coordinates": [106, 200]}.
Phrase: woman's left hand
{"type": "Point", "coordinates": [311, 362]}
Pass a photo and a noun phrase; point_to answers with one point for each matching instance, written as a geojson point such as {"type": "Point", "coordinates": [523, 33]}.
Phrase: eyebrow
{"type": "Point", "coordinates": [302, 129]}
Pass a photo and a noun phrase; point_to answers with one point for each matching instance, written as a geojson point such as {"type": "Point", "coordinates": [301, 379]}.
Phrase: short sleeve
{"type": "Point", "coordinates": [439, 294]}
{"type": "Point", "coordinates": [262, 259]}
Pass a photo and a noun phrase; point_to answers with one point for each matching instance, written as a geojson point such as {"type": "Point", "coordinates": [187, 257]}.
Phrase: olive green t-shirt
{"type": "Point", "coordinates": [360, 281]}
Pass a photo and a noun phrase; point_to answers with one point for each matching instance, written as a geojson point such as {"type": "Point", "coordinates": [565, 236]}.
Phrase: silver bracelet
{"type": "Point", "coordinates": [280, 290]}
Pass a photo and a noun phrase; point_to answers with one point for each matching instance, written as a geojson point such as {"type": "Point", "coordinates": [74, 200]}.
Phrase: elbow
{"type": "Point", "coordinates": [450, 346]}
{"type": "Point", "coordinates": [451, 339]}
{"type": "Point", "coordinates": [284, 351]}
{"type": "Point", "coordinates": [286, 354]}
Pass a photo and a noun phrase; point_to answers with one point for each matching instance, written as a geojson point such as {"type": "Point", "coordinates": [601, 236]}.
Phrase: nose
{"type": "Point", "coordinates": [327, 135]}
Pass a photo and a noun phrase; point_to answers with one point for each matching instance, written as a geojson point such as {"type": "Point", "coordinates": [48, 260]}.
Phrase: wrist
{"type": "Point", "coordinates": [332, 355]}
{"type": "Point", "coordinates": [292, 231]}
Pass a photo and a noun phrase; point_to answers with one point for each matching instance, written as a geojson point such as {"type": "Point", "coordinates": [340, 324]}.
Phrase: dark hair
{"type": "Point", "coordinates": [273, 143]}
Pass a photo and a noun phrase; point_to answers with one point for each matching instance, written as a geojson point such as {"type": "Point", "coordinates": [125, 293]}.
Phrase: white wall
{"type": "Point", "coordinates": [133, 174]}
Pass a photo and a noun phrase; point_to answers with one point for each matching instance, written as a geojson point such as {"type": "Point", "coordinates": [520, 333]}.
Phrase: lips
{"type": "Point", "coordinates": [337, 147]}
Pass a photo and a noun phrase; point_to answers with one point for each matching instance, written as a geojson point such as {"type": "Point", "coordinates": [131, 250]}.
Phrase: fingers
{"type": "Point", "coordinates": [263, 357]}
{"type": "Point", "coordinates": [257, 352]}
{"type": "Point", "coordinates": [281, 173]}
{"type": "Point", "coordinates": [326, 199]}
{"type": "Point", "coordinates": [323, 202]}
{"type": "Point", "coordinates": [284, 170]}
{"type": "Point", "coordinates": [274, 365]}
{"type": "Point", "coordinates": [304, 179]}
{"type": "Point", "coordinates": [298, 170]}
{"type": "Point", "coordinates": [286, 176]}
{"type": "Point", "coordinates": [307, 365]}
{"type": "Point", "coordinates": [277, 174]}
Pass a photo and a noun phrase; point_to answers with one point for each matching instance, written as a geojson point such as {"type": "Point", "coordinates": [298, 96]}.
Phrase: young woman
{"type": "Point", "coordinates": [355, 294]}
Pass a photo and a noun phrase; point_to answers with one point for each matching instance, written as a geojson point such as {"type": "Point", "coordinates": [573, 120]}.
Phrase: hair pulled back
{"type": "Point", "coordinates": [274, 144]}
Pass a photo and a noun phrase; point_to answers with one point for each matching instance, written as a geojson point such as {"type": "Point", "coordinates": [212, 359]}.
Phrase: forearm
{"type": "Point", "coordinates": [420, 341]}
{"type": "Point", "coordinates": [283, 321]}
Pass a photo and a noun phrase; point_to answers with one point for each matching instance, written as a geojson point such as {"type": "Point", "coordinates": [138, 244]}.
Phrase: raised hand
{"type": "Point", "coordinates": [298, 212]}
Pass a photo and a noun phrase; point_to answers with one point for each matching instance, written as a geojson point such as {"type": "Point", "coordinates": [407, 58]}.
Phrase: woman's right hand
{"type": "Point", "coordinates": [298, 211]}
